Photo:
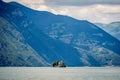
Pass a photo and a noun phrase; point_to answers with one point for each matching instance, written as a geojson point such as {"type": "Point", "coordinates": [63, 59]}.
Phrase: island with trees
{"type": "Point", "coordinates": [58, 64]}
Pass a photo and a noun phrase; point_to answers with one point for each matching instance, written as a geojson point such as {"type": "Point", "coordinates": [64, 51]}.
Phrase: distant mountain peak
{"type": "Point", "coordinates": [113, 28]}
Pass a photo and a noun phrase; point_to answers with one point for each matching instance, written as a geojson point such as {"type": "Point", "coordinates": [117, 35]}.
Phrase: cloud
{"type": "Point", "coordinates": [29, 3]}
{"type": "Point", "coordinates": [106, 12]}
{"type": "Point", "coordinates": [93, 13]}
{"type": "Point", "coordinates": [81, 2]}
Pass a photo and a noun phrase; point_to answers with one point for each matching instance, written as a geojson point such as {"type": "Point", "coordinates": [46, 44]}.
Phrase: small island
{"type": "Point", "coordinates": [58, 64]}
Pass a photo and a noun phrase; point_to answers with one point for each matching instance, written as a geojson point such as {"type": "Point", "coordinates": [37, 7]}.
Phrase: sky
{"type": "Point", "coordinates": [96, 11]}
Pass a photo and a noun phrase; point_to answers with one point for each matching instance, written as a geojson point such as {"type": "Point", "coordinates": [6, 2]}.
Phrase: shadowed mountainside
{"type": "Point", "coordinates": [56, 37]}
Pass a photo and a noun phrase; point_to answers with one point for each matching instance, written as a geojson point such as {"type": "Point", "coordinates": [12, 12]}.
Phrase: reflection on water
{"type": "Point", "coordinates": [69, 73]}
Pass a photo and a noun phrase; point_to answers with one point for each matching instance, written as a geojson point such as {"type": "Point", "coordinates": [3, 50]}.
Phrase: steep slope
{"type": "Point", "coordinates": [112, 28]}
{"type": "Point", "coordinates": [47, 48]}
{"type": "Point", "coordinates": [13, 50]}
{"type": "Point", "coordinates": [93, 43]}
{"type": "Point", "coordinates": [76, 42]}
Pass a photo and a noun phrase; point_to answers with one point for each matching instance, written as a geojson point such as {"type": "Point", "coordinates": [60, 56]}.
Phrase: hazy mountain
{"type": "Point", "coordinates": [112, 28]}
{"type": "Point", "coordinates": [57, 37]}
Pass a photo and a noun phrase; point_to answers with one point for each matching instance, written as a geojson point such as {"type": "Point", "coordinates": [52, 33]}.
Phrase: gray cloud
{"type": "Point", "coordinates": [93, 13]}
{"type": "Point", "coordinates": [81, 2]}
{"type": "Point", "coordinates": [113, 13]}
{"type": "Point", "coordinates": [103, 11]}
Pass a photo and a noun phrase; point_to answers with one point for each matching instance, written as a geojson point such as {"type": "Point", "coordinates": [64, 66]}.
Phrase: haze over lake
{"type": "Point", "coordinates": [69, 73]}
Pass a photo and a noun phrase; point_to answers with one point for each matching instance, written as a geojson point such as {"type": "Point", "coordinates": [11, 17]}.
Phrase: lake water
{"type": "Point", "coordinates": [69, 73]}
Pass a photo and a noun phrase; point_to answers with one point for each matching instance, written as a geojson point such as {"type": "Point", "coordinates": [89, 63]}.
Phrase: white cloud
{"type": "Point", "coordinates": [94, 13]}
{"type": "Point", "coordinates": [29, 3]}
{"type": "Point", "coordinates": [81, 2]}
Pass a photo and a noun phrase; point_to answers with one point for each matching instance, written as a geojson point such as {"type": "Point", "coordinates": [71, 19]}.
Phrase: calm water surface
{"type": "Point", "coordinates": [69, 73]}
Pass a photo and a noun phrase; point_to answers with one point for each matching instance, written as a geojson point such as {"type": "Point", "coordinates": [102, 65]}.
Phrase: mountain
{"type": "Point", "coordinates": [47, 48]}
{"type": "Point", "coordinates": [112, 28]}
{"type": "Point", "coordinates": [12, 45]}
{"type": "Point", "coordinates": [57, 37]}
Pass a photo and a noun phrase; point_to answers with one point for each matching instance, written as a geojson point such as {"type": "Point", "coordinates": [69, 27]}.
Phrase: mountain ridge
{"type": "Point", "coordinates": [56, 18]}
{"type": "Point", "coordinates": [113, 28]}
{"type": "Point", "coordinates": [41, 43]}
{"type": "Point", "coordinates": [53, 37]}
